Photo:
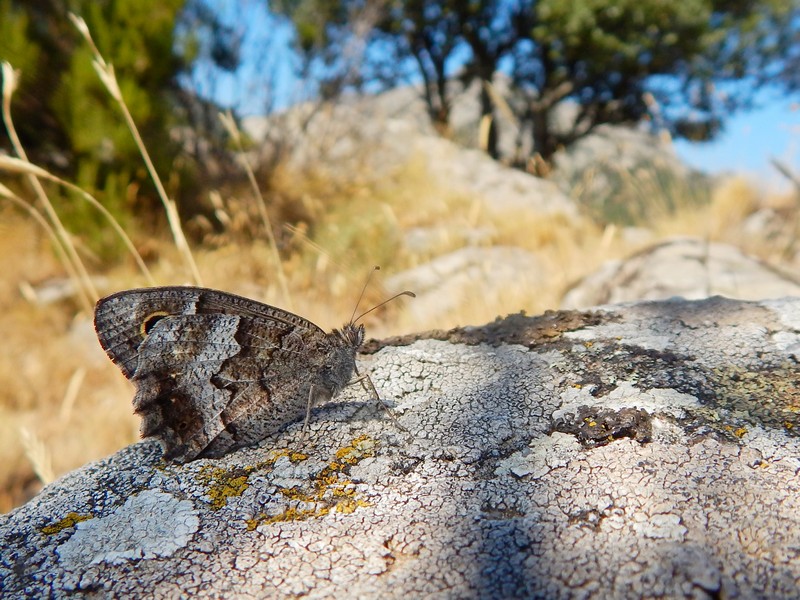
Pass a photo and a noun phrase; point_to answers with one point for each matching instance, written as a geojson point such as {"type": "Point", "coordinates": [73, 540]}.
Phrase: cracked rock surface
{"type": "Point", "coordinates": [644, 450]}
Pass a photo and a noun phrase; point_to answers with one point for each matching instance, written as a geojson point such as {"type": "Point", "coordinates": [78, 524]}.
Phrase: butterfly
{"type": "Point", "coordinates": [214, 371]}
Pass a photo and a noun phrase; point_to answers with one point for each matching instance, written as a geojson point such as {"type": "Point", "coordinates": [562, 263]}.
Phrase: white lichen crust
{"type": "Point", "coordinates": [150, 524]}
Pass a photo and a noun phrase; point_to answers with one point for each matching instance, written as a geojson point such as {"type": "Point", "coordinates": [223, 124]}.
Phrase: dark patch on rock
{"type": "Point", "coordinates": [595, 426]}
{"type": "Point", "coordinates": [603, 364]}
{"type": "Point", "coordinates": [731, 396]}
{"type": "Point", "coordinates": [512, 329]}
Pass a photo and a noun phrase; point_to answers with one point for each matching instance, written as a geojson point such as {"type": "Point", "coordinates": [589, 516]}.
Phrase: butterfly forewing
{"type": "Point", "coordinates": [123, 320]}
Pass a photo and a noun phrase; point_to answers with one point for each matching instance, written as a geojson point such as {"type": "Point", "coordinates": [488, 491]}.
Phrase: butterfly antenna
{"type": "Point", "coordinates": [403, 293]}
{"type": "Point", "coordinates": [363, 289]}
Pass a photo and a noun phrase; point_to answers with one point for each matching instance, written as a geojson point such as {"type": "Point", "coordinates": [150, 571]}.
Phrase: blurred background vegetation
{"type": "Point", "coordinates": [696, 61]}
{"type": "Point", "coordinates": [557, 70]}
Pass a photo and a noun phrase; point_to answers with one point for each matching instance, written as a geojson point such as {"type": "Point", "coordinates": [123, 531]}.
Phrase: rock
{"type": "Point", "coordinates": [55, 289]}
{"type": "Point", "coordinates": [373, 136]}
{"type": "Point", "coordinates": [622, 148]}
{"type": "Point", "coordinates": [695, 493]}
{"type": "Point", "coordinates": [688, 267]}
{"type": "Point", "coordinates": [455, 280]}
{"type": "Point", "coordinates": [503, 189]}
{"type": "Point", "coordinates": [625, 176]}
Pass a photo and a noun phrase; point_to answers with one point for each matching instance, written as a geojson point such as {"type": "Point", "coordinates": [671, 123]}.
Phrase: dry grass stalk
{"type": "Point", "coordinates": [15, 165]}
{"type": "Point", "coordinates": [39, 456]}
{"type": "Point", "coordinates": [37, 216]}
{"type": "Point", "coordinates": [71, 394]}
{"type": "Point", "coordinates": [230, 126]}
{"type": "Point", "coordinates": [106, 73]}
{"type": "Point", "coordinates": [73, 263]}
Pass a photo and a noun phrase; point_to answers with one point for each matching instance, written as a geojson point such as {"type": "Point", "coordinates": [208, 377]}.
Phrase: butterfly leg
{"type": "Point", "coordinates": [309, 406]}
{"type": "Point", "coordinates": [365, 380]}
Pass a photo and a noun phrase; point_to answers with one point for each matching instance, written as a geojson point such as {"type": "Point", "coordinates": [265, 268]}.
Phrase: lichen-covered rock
{"type": "Point", "coordinates": [631, 451]}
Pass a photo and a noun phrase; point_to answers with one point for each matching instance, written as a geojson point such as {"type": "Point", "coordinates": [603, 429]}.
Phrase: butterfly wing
{"type": "Point", "coordinates": [213, 371]}
{"type": "Point", "coordinates": [123, 320]}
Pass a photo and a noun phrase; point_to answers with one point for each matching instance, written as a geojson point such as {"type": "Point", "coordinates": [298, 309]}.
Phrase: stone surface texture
{"type": "Point", "coordinates": [501, 487]}
{"type": "Point", "coordinates": [376, 135]}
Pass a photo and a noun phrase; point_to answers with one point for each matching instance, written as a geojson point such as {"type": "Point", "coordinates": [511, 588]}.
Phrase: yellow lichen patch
{"type": "Point", "coordinates": [349, 506]}
{"type": "Point", "coordinates": [292, 455]}
{"type": "Point", "coordinates": [70, 520]}
{"type": "Point", "coordinates": [739, 432]}
{"type": "Point", "coordinates": [224, 484]}
{"type": "Point", "coordinates": [295, 514]}
{"type": "Point", "coordinates": [342, 490]}
{"type": "Point", "coordinates": [360, 448]}
{"type": "Point", "coordinates": [331, 490]}
{"type": "Point", "coordinates": [295, 494]}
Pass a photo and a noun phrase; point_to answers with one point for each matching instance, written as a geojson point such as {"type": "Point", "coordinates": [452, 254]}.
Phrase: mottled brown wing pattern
{"type": "Point", "coordinates": [214, 371]}
{"type": "Point", "coordinates": [122, 319]}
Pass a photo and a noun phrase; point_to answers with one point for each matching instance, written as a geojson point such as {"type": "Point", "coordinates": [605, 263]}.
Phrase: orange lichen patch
{"type": "Point", "coordinates": [70, 520]}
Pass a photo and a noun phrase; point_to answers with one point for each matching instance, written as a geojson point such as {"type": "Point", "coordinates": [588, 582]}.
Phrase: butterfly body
{"type": "Point", "coordinates": [214, 371]}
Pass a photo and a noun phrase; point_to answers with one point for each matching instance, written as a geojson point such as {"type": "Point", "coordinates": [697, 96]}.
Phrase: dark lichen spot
{"type": "Point", "coordinates": [513, 329]}
{"type": "Point", "coordinates": [595, 426]}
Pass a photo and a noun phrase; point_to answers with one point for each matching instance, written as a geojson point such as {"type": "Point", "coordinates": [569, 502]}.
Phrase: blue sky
{"type": "Point", "coordinates": [749, 141]}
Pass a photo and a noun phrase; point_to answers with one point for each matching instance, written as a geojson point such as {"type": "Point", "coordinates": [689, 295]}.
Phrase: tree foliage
{"type": "Point", "coordinates": [67, 120]}
{"type": "Point", "coordinates": [332, 38]}
{"type": "Point", "coordinates": [696, 60]}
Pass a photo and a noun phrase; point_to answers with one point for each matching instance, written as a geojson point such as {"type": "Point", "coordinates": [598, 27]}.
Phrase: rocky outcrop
{"type": "Point", "coordinates": [629, 451]}
{"type": "Point", "coordinates": [371, 138]}
{"type": "Point", "coordinates": [688, 267]}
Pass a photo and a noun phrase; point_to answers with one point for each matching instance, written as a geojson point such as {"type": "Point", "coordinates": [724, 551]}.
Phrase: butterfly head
{"type": "Point", "coordinates": [352, 335]}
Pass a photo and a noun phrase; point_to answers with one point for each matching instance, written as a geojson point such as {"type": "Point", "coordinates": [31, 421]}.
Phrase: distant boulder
{"type": "Point", "coordinates": [687, 267]}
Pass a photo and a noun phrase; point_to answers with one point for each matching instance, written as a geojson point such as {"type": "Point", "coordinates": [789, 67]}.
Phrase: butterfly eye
{"type": "Point", "coordinates": [150, 321]}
